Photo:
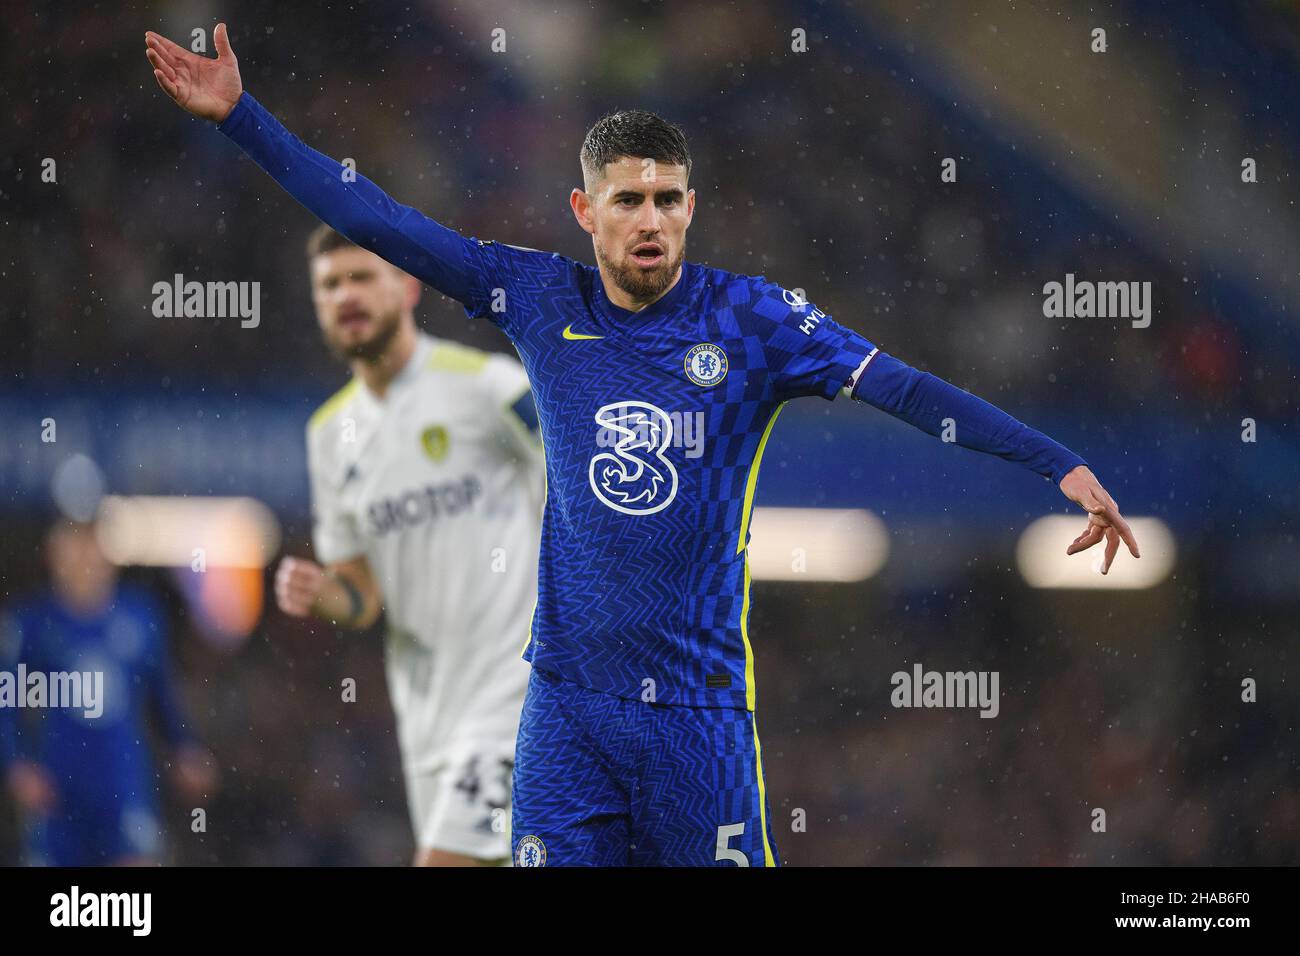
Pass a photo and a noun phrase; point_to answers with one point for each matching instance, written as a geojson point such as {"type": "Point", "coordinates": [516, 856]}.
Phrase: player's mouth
{"type": "Point", "coordinates": [648, 254]}
{"type": "Point", "coordinates": [353, 319]}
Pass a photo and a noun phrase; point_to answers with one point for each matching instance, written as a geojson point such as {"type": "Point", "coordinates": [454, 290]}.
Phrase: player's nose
{"type": "Point", "coordinates": [648, 219]}
{"type": "Point", "coordinates": [346, 293]}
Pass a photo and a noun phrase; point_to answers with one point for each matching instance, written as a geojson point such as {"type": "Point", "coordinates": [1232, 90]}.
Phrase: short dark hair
{"type": "Point", "coordinates": [635, 133]}
{"type": "Point", "coordinates": [325, 239]}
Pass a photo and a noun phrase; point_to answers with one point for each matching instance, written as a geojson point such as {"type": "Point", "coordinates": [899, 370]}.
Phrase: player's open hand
{"type": "Point", "coordinates": [1104, 520]}
{"type": "Point", "coordinates": [205, 87]}
{"type": "Point", "coordinates": [298, 584]}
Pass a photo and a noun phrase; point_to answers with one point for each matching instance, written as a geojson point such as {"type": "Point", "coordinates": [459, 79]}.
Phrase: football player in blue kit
{"type": "Point", "coordinates": [82, 772]}
{"type": "Point", "coordinates": [637, 744]}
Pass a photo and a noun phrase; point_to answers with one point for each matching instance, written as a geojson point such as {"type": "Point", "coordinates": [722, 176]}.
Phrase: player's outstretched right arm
{"type": "Point", "coordinates": [356, 207]}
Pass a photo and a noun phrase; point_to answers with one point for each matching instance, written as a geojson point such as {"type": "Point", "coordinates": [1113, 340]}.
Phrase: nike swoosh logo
{"type": "Point", "coordinates": [573, 336]}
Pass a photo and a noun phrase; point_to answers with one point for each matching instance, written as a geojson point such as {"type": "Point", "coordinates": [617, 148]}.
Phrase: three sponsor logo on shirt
{"type": "Point", "coordinates": [635, 476]}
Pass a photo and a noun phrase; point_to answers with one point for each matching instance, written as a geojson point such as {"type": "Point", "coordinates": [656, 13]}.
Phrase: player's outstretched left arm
{"type": "Point", "coordinates": [1104, 520]}
{"type": "Point", "coordinates": [935, 406]}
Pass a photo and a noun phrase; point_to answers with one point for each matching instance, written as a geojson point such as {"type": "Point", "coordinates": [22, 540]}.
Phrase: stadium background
{"type": "Point", "coordinates": [821, 171]}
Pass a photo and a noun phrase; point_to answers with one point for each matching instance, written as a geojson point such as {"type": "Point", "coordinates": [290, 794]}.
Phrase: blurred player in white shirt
{"type": "Point", "coordinates": [427, 482]}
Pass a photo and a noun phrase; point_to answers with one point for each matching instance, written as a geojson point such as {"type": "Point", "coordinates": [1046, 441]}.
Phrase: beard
{"type": "Point", "coordinates": [641, 284]}
{"type": "Point", "coordinates": [387, 325]}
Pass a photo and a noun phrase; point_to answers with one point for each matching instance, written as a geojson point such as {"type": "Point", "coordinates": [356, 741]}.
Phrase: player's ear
{"type": "Point", "coordinates": [580, 203]}
{"type": "Point", "coordinates": [411, 290]}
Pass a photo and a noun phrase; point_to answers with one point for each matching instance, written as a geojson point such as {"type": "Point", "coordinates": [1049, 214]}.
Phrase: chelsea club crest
{"type": "Point", "coordinates": [531, 852]}
{"type": "Point", "coordinates": [706, 365]}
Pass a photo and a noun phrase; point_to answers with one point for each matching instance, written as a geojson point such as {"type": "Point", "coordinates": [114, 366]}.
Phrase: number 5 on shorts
{"type": "Point", "coordinates": [725, 852]}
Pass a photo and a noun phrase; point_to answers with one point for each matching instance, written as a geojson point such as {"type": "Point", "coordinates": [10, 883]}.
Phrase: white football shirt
{"type": "Point", "coordinates": [440, 485]}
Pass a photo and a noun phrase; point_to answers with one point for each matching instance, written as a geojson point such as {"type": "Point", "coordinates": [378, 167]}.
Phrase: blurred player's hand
{"type": "Point", "coordinates": [207, 88]}
{"type": "Point", "coordinates": [194, 772]}
{"type": "Point", "coordinates": [298, 584]}
{"type": "Point", "coordinates": [32, 787]}
{"type": "Point", "coordinates": [1104, 520]}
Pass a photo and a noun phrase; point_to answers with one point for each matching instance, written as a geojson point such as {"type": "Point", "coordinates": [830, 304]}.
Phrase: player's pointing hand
{"type": "Point", "coordinates": [1104, 520]}
{"type": "Point", "coordinates": [205, 87]}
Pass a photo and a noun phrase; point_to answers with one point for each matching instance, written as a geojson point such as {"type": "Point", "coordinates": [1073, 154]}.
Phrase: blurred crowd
{"type": "Point", "coordinates": [821, 172]}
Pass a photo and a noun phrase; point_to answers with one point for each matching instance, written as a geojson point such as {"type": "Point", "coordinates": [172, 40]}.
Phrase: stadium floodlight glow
{"type": "Point", "coordinates": [1041, 557]}
{"type": "Point", "coordinates": [178, 532]}
{"type": "Point", "coordinates": [816, 544]}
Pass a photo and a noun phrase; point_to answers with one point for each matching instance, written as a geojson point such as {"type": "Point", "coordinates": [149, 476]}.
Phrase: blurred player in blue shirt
{"type": "Point", "coordinates": [84, 777]}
